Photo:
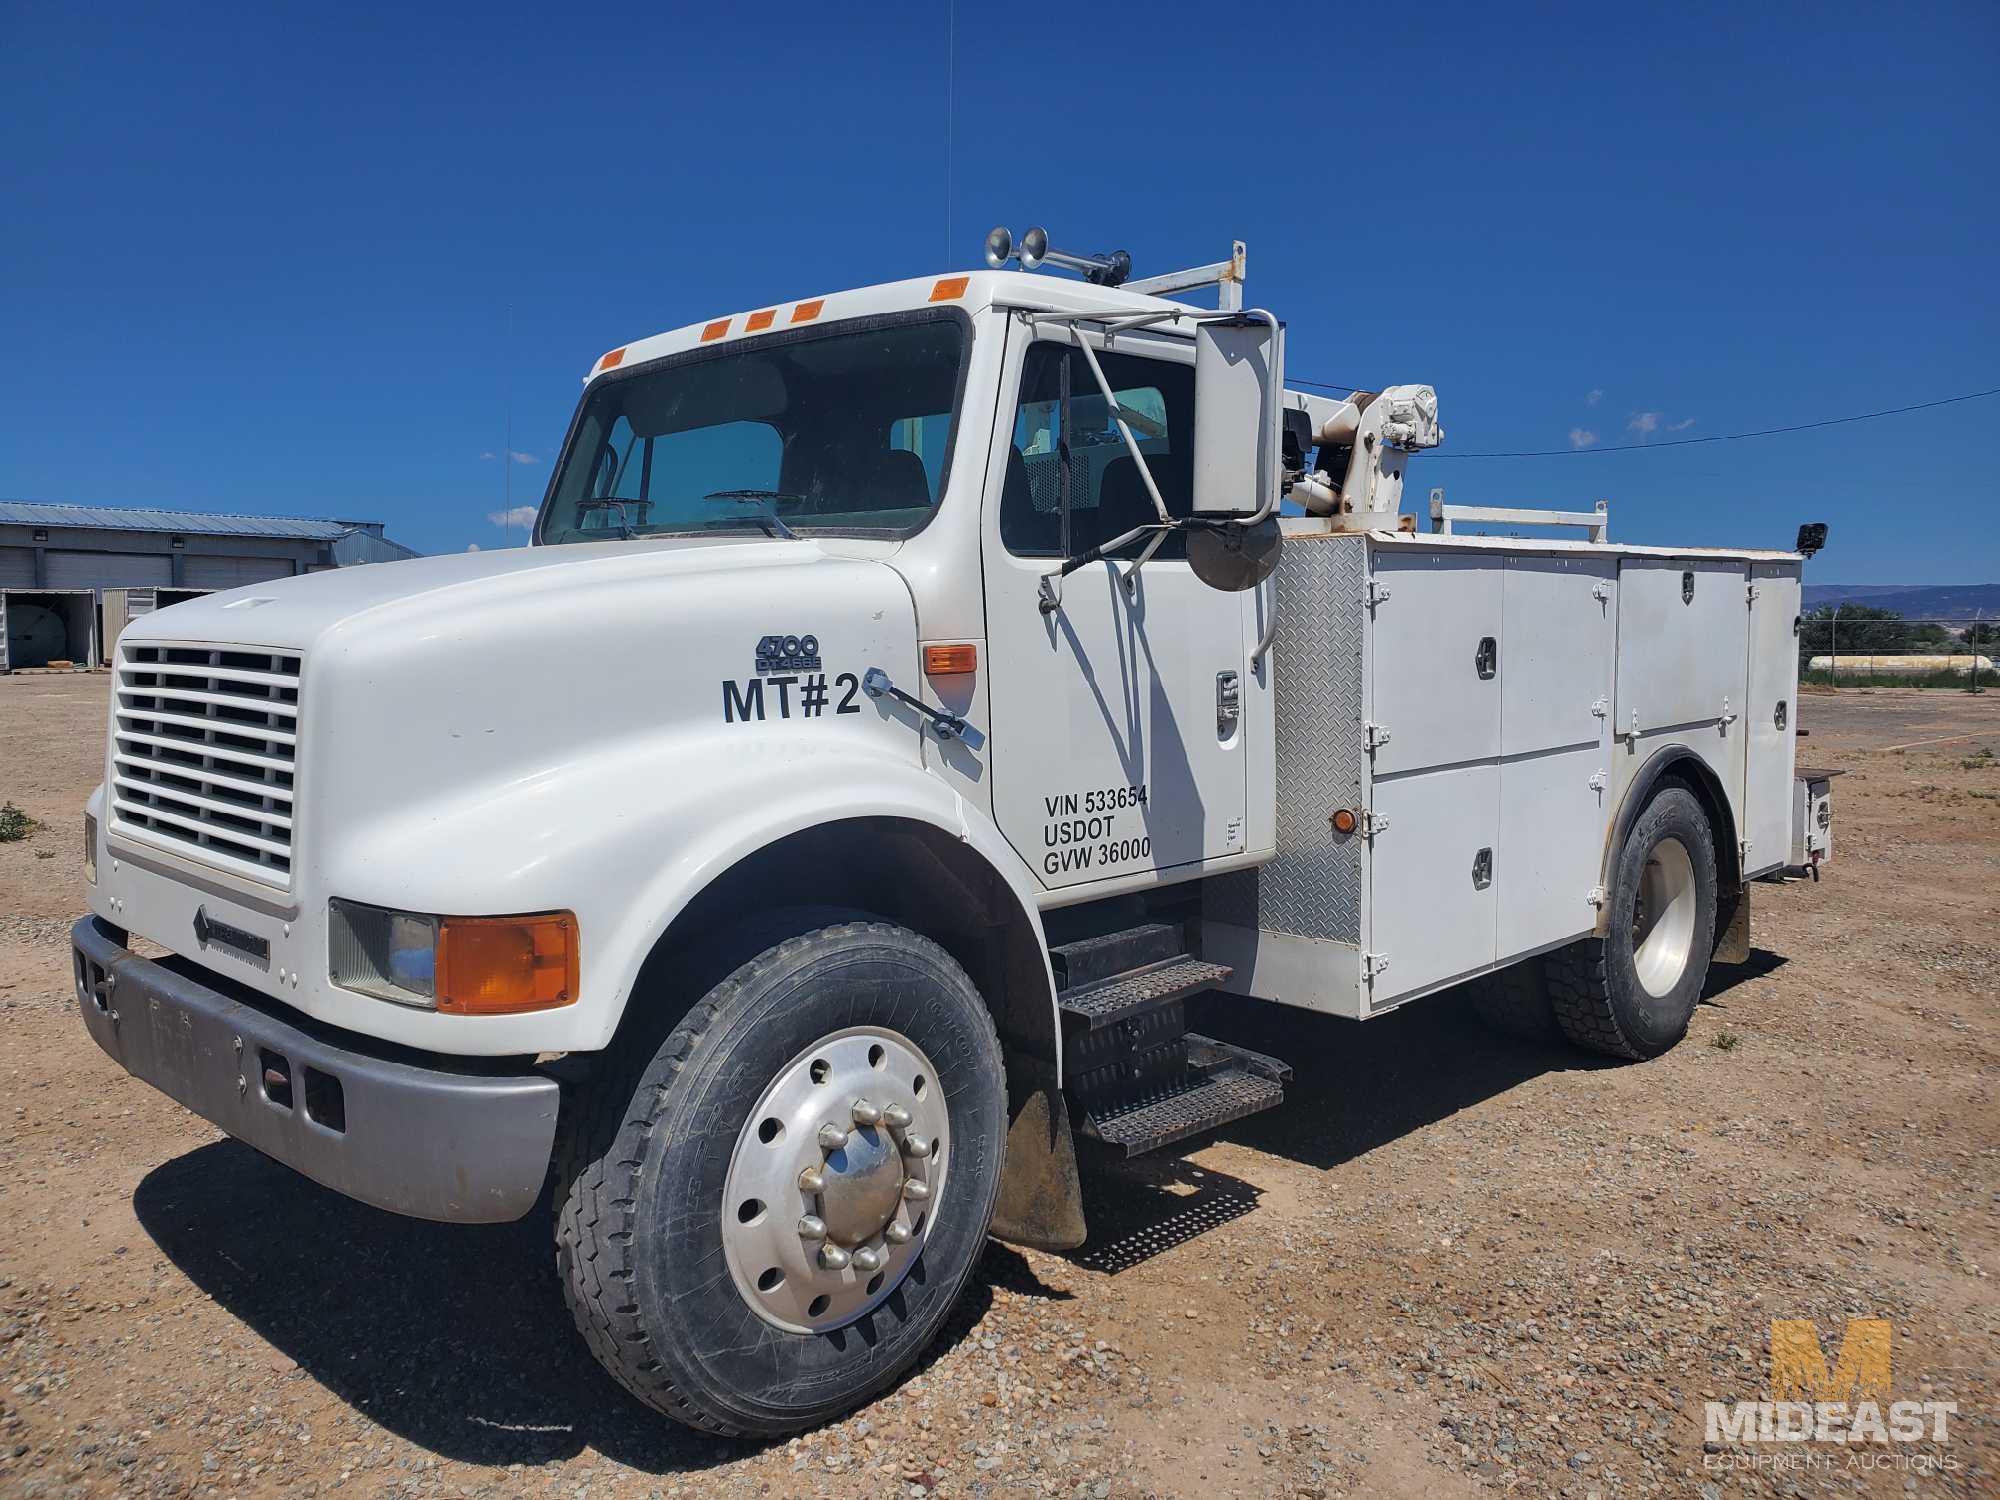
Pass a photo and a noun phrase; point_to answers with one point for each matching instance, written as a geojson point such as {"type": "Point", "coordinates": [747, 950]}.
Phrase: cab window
{"type": "Point", "coordinates": [1107, 492]}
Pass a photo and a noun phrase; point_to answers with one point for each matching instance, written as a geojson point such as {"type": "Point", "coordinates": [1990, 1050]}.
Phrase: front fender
{"type": "Point", "coordinates": [626, 836]}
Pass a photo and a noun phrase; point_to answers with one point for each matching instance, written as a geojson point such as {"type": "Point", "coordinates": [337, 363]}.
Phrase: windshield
{"type": "Point", "coordinates": [841, 430]}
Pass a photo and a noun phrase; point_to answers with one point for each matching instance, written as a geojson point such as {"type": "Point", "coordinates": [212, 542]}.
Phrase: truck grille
{"type": "Point", "coordinates": [204, 746]}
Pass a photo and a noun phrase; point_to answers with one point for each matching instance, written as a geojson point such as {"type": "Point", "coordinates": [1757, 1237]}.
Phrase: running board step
{"type": "Point", "coordinates": [1092, 960]}
{"type": "Point", "coordinates": [1132, 994]}
{"type": "Point", "coordinates": [1227, 1084]}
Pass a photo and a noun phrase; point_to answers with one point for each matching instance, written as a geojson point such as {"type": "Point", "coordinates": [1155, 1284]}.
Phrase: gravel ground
{"type": "Point", "coordinates": [1451, 1265]}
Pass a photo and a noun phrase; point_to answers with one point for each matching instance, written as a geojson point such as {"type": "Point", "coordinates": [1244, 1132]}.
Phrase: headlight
{"type": "Point", "coordinates": [90, 848]}
{"type": "Point", "coordinates": [391, 955]}
{"type": "Point", "coordinates": [467, 966]}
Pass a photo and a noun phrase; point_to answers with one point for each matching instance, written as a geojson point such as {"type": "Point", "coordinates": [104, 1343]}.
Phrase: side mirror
{"type": "Point", "coordinates": [1239, 381]}
{"type": "Point", "coordinates": [1812, 537]}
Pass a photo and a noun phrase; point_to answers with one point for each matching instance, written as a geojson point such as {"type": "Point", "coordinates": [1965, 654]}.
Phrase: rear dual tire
{"type": "Point", "coordinates": [1632, 993]}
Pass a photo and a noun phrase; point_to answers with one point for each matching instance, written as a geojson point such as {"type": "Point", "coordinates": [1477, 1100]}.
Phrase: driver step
{"type": "Point", "coordinates": [1224, 1083]}
{"type": "Point", "coordinates": [1093, 960]}
{"type": "Point", "coordinates": [1129, 995]}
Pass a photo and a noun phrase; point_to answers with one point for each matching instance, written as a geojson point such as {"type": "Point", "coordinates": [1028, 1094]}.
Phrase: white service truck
{"type": "Point", "coordinates": [912, 697]}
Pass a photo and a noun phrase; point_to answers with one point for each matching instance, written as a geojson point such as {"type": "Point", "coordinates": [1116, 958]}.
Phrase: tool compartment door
{"type": "Point", "coordinates": [1432, 902]}
{"type": "Point", "coordinates": [1771, 713]}
{"type": "Point", "coordinates": [1560, 619]}
{"type": "Point", "coordinates": [1434, 657]}
{"type": "Point", "coordinates": [1430, 689]}
{"type": "Point", "coordinates": [1683, 649]}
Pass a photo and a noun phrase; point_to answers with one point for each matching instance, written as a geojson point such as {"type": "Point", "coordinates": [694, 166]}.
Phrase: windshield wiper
{"type": "Point", "coordinates": [767, 501]}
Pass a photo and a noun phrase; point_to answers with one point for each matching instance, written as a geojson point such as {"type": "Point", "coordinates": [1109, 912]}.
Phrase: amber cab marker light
{"type": "Point", "coordinates": [1343, 821]}
{"type": "Point", "coordinates": [500, 966]}
{"type": "Point", "coordinates": [612, 360]}
{"type": "Point", "coordinates": [715, 330]}
{"type": "Point", "coordinates": [805, 312]}
{"type": "Point", "coordinates": [757, 322]}
{"type": "Point", "coordinates": [950, 289]}
{"type": "Point", "coordinates": [948, 661]}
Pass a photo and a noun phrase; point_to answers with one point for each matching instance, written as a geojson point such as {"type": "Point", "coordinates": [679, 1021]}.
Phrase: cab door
{"type": "Point", "coordinates": [1118, 728]}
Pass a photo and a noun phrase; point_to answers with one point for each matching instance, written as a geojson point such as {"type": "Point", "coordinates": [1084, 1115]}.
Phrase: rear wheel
{"type": "Point", "coordinates": [771, 1221]}
{"type": "Point", "coordinates": [1515, 1002]}
{"type": "Point", "coordinates": [1632, 993]}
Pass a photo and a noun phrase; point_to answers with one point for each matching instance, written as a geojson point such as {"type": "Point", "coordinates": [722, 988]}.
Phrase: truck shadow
{"type": "Point", "coordinates": [454, 1337]}
{"type": "Point", "coordinates": [1356, 1087]}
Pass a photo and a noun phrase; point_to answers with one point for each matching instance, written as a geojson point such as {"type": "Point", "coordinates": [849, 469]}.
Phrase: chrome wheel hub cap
{"type": "Point", "coordinates": [835, 1177]}
{"type": "Point", "coordinates": [1663, 913]}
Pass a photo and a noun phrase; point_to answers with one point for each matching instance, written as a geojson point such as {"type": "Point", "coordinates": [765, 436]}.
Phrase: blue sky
{"type": "Point", "coordinates": [264, 257]}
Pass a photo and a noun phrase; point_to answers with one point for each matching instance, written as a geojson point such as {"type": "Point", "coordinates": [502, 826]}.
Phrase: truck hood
{"type": "Point", "coordinates": [294, 613]}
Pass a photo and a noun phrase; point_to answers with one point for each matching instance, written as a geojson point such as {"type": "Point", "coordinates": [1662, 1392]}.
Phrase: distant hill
{"type": "Point", "coordinates": [1944, 601]}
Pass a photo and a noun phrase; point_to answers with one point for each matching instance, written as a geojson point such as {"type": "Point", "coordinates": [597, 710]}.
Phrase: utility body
{"type": "Point", "coordinates": [913, 699]}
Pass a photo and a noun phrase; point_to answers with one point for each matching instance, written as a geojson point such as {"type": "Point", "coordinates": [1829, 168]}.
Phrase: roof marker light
{"type": "Point", "coordinates": [950, 289]}
{"type": "Point", "coordinates": [715, 330]}
{"type": "Point", "coordinates": [805, 312]}
{"type": "Point", "coordinates": [757, 322]}
{"type": "Point", "coordinates": [612, 360]}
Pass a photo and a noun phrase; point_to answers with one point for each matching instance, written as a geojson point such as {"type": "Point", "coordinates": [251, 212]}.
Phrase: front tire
{"type": "Point", "coordinates": [771, 1221]}
{"type": "Point", "coordinates": [1632, 993]}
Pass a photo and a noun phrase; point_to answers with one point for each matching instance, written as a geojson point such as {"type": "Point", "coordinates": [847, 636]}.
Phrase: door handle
{"type": "Point", "coordinates": [1228, 704]}
{"type": "Point", "coordinates": [1487, 658]}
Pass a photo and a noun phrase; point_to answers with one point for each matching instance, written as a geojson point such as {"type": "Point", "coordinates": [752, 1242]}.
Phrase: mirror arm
{"type": "Point", "coordinates": [1124, 431]}
{"type": "Point", "coordinates": [1050, 596]}
{"type": "Point", "coordinates": [1130, 577]}
{"type": "Point", "coordinates": [1270, 636]}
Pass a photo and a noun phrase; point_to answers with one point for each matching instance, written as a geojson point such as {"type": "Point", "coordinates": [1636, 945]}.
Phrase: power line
{"type": "Point", "coordinates": [1321, 385]}
{"type": "Point", "coordinates": [1724, 437]}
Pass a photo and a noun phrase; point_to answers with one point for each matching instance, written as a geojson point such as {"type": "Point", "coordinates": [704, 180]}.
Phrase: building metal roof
{"type": "Point", "coordinates": [183, 522]}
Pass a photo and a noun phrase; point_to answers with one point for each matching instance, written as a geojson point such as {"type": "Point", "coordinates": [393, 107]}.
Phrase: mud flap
{"type": "Point", "coordinates": [1041, 1197]}
{"type": "Point", "coordinates": [1732, 942]}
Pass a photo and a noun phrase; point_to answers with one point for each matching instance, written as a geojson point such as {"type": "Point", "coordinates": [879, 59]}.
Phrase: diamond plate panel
{"type": "Point", "coordinates": [1313, 886]}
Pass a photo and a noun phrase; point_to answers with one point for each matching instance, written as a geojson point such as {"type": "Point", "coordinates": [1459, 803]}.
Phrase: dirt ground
{"type": "Point", "coordinates": [1449, 1265]}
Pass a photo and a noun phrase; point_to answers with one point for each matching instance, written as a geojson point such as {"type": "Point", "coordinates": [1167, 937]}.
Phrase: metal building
{"type": "Point", "coordinates": [72, 575]}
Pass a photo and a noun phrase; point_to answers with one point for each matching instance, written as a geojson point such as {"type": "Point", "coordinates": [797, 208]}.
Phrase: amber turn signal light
{"type": "Point", "coordinates": [499, 966]}
{"type": "Point", "coordinates": [1343, 821]}
{"type": "Point", "coordinates": [944, 661]}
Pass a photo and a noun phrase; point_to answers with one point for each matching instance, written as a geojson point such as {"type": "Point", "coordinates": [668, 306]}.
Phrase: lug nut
{"type": "Point", "coordinates": [916, 1145]}
{"type": "Point", "coordinates": [867, 1261]}
{"type": "Point", "coordinates": [812, 1227]}
{"type": "Point", "coordinates": [916, 1191]}
{"type": "Point", "coordinates": [833, 1257]}
{"type": "Point", "coordinates": [896, 1117]}
{"type": "Point", "coordinates": [811, 1180]}
{"type": "Point", "coordinates": [897, 1233]}
{"type": "Point", "coordinates": [866, 1113]}
{"type": "Point", "coordinates": [831, 1136]}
